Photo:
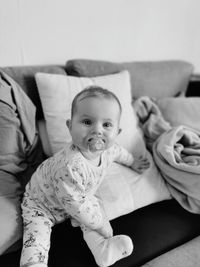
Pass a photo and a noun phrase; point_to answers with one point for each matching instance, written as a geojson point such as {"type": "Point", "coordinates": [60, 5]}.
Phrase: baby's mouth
{"type": "Point", "coordinates": [96, 143]}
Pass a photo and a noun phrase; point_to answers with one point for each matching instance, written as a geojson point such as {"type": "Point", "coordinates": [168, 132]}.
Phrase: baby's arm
{"type": "Point", "coordinates": [122, 156]}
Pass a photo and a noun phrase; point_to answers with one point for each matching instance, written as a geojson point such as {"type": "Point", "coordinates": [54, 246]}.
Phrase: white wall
{"type": "Point", "coordinates": [53, 31]}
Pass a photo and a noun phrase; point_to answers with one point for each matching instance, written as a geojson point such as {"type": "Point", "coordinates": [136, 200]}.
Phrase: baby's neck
{"type": "Point", "coordinates": [92, 158]}
{"type": "Point", "coordinates": [96, 162]}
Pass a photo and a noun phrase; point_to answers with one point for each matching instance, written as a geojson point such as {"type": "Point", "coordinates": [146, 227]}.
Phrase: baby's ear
{"type": "Point", "coordinates": [69, 124]}
{"type": "Point", "coordinates": [119, 131]}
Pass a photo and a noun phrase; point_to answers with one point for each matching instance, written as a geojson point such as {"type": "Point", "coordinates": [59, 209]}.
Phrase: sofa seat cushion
{"type": "Point", "coordinates": [154, 229]}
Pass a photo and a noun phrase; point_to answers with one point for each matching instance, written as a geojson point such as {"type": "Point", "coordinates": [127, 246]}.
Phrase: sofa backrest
{"type": "Point", "coordinates": [25, 77]}
{"type": "Point", "coordinates": [158, 79]}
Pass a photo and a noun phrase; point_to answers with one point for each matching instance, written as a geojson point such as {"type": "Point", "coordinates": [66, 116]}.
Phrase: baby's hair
{"type": "Point", "coordinates": [94, 91]}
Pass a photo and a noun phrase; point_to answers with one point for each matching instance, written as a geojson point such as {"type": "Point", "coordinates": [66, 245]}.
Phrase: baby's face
{"type": "Point", "coordinates": [95, 125]}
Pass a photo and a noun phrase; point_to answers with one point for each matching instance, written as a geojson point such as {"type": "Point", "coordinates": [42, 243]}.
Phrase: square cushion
{"type": "Point", "coordinates": [122, 190]}
{"type": "Point", "coordinates": [57, 92]}
{"type": "Point", "coordinates": [181, 111]}
{"type": "Point", "coordinates": [153, 78]}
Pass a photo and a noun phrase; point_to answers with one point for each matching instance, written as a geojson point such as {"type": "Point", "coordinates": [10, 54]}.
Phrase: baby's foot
{"type": "Point", "coordinates": [113, 249]}
{"type": "Point", "coordinates": [107, 251]}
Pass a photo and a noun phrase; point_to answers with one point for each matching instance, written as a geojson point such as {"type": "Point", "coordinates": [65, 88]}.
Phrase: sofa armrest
{"type": "Point", "coordinates": [194, 86]}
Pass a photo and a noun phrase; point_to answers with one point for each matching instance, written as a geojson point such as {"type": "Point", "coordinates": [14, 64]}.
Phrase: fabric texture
{"type": "Point", "coordinates": [122, 190]}
{"type": "Point", "coordinates": [153, 78]}
{"type": "Point", "coordinates": [18, 138]}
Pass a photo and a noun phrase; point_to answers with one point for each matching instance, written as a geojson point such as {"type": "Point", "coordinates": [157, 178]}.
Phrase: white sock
{"type": "Point", "coordinates": [107, 251]}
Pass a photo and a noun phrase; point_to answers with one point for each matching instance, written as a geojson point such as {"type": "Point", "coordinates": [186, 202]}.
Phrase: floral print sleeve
{"type": "Point", "coordinates": [72, 190]}
{"type": "Point", "coordinates": [119, 154]}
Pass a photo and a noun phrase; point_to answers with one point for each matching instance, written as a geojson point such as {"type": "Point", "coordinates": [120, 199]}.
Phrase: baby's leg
{"type": "Point", "coordinates": [107, 251]}
{"type": "Point", "coordinates": [36, 238]}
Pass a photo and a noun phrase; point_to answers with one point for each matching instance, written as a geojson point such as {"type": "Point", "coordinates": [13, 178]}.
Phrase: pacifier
{"type": "Point", "coordinates": [95, 144]}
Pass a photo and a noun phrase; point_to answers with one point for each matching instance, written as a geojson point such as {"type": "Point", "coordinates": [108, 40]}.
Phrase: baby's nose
{"type": "Point", "coordinates": [97, 129]}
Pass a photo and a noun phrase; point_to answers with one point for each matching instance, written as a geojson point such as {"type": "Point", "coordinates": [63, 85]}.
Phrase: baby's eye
{"type": "Point", "coordinates": [87, 122]}
{"type": "Point", "coordinates": [107, 125]}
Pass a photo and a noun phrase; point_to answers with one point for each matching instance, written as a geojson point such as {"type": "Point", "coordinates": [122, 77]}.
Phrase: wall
{"type": "Point", "coordinates": [53, 31]}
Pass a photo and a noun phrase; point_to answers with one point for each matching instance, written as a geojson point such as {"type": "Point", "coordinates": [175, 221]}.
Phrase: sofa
{"type": "Point", "coordinates": [164, 230]}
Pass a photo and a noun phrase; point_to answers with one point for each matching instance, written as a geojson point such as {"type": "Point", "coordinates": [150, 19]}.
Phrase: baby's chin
{"type": "Point", "coordinates": [93, 150]}
{"type": "Point", "coordinates": [91, 155]}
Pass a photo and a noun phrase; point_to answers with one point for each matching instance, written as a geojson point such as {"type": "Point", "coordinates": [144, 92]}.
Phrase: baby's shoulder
{"type": "Point", "coordinates": [113, 149]}
{"type": "Point", "coordinates": [73, 156]}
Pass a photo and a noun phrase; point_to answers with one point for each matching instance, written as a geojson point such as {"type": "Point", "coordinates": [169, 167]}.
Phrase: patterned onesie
{"type": "Point", "coordinates": [62, 187]}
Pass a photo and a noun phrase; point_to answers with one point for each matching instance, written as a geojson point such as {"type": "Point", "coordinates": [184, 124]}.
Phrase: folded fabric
{"type": "Point", "coordinates": [177, 154]}
{"type": "Point", "coordinates": [151, 119]}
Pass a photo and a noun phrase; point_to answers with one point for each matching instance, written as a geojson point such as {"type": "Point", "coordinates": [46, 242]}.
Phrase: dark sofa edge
{"type": "Point", "coordinates": [195, 77]}
{"type": "Point", "coordinates": [193, 89]}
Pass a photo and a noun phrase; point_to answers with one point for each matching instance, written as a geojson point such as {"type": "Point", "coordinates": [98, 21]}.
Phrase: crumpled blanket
{"type": "Point", "coordinates": [151, 120]}
{"type": "Point", "coordinates": [176, 151]}
{"type": "Point", "coordinates": [177, 154]}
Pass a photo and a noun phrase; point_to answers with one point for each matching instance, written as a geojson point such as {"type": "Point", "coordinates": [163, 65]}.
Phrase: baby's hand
{"type": "Point", "coordinates": [140, 164]}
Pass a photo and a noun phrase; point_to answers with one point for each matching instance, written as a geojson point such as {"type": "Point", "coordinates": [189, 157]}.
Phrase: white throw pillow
{"type": "Point", "coordinates": [122, 190]}
{"type": "Point", "coordinates": [57, 92]}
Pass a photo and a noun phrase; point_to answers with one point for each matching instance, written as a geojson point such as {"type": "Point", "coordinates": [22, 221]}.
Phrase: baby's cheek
{"type": "Point", "coordinates": [112, 137]}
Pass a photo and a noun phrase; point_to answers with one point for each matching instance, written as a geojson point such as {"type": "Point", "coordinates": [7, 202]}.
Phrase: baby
{"type": "Point", "coordinates": [64, 185]}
